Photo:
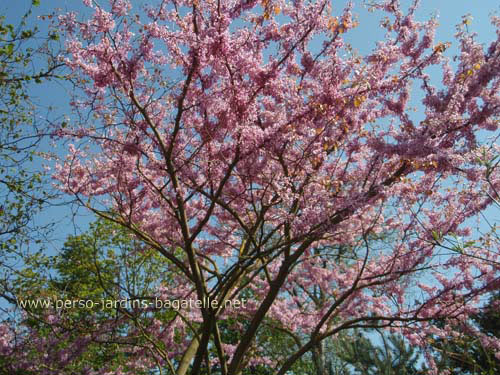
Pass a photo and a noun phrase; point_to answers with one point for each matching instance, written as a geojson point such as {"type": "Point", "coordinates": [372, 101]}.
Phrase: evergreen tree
{"type": "Point", "coordinates": [468, 354]}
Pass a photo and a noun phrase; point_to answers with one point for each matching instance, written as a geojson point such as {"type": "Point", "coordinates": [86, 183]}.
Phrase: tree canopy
{"type": "Point", "coordinates": [262, 168]}
{"type": "Point", "coordinates": [27, 57]}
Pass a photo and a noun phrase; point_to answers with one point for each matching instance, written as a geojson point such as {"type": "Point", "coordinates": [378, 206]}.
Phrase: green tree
{"type": "Point", "coordinates": [467, 355]}
{"type": "Point", "coordinates": [27, 57]}
{"type": "Point", "coordinates": [106, 263]}
{"type": "Point", "coordinates": [393, 356]}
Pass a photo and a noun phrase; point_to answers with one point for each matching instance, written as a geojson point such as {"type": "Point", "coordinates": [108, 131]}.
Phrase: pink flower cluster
{"type": "Point", "coordinates": [259, 166]}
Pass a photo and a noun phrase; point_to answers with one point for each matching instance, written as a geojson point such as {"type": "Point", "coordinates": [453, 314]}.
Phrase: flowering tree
{"type": "Point", "coordinates": [262, 166]}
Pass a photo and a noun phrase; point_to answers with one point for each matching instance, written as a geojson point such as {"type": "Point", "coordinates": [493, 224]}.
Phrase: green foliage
{"type": "Point", "coordinates": [104, 263]}
{"type": "Point", "coordinates": [466, 355]}
{"type": "Point", "coordinates": [392, 357]}
{"type": "Point", "coordinates": [26, 57]}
